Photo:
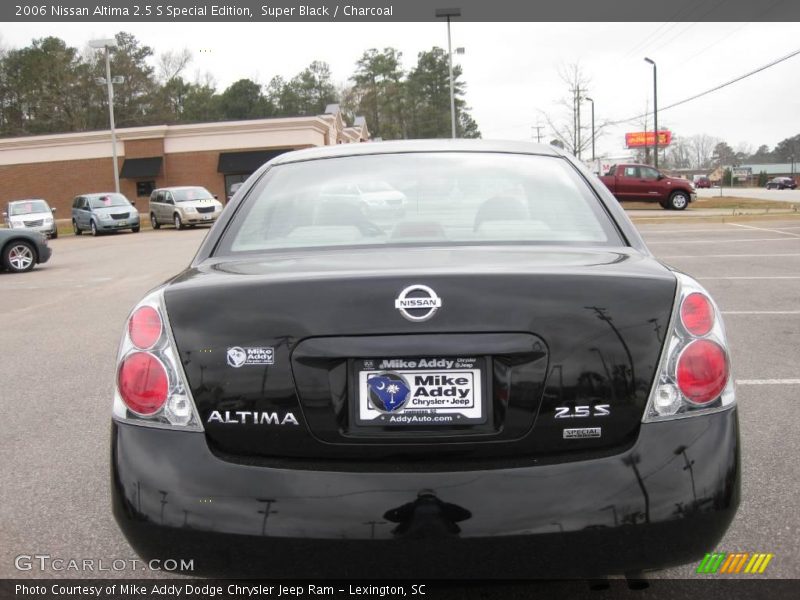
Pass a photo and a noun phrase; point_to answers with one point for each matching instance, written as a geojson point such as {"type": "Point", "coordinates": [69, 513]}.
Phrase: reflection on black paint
{"type": "Point", "coordinates": [427, 516]}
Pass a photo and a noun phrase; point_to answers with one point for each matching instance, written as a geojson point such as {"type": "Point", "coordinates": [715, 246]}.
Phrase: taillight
{"type": "Point", "coordinates": [702, 371]}
{"type": "Point", "coordinates": [143, 383]}
{"type": "Point", "coordinates": [151, 385]}
{"type": "Point", "coordinates": [697, 314]}
{"type": "Point", "coordinates": [694, 371]}
{"type": "Point", "coordinates": [144, 327]}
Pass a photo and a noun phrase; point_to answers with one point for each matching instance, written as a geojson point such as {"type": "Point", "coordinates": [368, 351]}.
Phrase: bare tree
{"type": "Point", "coordinates": [172, 63]}
{"type": "Point", "coordinates": [572, 127]}
{"type": "Point", "coordinates": [702, 150]}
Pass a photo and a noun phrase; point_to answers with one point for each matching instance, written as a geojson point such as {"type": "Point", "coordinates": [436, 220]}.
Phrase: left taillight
{"type": "Point", "coordinates": [151, 387]}
{"type": "Point", "coordinates": [694, 375]}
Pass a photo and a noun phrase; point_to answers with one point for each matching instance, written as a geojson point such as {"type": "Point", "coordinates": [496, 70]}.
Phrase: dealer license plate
{"type": "Point", "coordinates": [122, 222]}
{"type": "Point", "coordinates": [420, 392]}
{"type": "Point", "coordinates": [206, 217]}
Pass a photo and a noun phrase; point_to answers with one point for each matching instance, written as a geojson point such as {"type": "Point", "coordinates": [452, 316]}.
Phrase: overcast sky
{"type": "Point", "coordinates": [511, 69]}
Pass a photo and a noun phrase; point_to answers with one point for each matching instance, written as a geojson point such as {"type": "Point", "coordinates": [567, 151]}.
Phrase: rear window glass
{"type": "Point", "coordinates": [420, 199]}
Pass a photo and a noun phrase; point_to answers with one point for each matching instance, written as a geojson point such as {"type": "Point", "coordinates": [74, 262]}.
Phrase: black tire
{"type": "Point", "coordinates": [19, 256]}
{"type": "Point", "coordinates": [664, 204]}
{"type": "Point", "coordinates": [679, 200]}
{"type": "Point", "coordinates": [75, 229]}
{"type": "Point", "coordinates": [93, 225]}
{"type": "Point", "coordinates": [54, 235]}
{"type": "Point", "coordinates": [176, 220]}
{"type": "Point", "coordinates": [154, 222]}
{"type": "Point", "coordinates": [135, 229]}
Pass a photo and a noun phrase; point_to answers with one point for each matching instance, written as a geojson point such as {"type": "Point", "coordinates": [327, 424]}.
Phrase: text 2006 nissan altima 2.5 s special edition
{"type": "Point", "coordinates": [498, 380]}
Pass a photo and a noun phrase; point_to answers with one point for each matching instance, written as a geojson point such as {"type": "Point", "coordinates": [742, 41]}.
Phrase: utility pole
{"type": "Point", "coordinates": [538, 129]}
{"type": "Point", "coordinates": [268, 502]}
{"type": "Point", "coordinates": [655, 110]}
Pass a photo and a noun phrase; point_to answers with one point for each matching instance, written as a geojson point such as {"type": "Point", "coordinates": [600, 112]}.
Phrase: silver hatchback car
{"type": "Point", "coordinates": [33, 214]}
{"type": "Point", "coordinates": [183, 206]}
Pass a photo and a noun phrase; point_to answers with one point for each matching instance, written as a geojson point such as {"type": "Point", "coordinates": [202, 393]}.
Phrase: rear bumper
{"type": "Point", "coordinates": [637, 510]}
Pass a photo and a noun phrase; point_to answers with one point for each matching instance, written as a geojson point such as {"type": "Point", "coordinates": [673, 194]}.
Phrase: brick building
{"type": "Point", "coordinates": [213, 155]}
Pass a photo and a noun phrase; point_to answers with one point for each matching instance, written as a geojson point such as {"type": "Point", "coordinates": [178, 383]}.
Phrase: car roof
{"type": "Point", "coordinates": [409, 146]}
{"type": "Point", "coordinates": [27, 200]}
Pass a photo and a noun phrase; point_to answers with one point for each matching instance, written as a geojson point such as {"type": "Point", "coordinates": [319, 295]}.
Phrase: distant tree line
{"type": "Point", "coordinates": [50, 87]}
{"type": "Point", "coordinates": [704, 151]}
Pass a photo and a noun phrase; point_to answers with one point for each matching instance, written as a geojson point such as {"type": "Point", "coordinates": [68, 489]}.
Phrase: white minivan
{"type": "Point", "coordinates": [183, 207]}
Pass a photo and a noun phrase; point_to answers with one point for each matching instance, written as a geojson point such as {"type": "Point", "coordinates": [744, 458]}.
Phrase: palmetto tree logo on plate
{"type": "Point", "coordinates": [388, 391]}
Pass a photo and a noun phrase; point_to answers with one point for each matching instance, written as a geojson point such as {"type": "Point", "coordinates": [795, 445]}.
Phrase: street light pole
{"type": "Point", "coordinates": [655, 109]}
{"type": "Point", "coordinates": [592, 101]}
{"type": "Point", "coordinates": [106, 45]}
{"type": "Point", "coordinates": [448, 13]}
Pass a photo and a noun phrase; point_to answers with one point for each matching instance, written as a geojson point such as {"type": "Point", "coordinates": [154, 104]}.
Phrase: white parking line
{"type": "Point", "coordinates": [764, 229]}
{"type": "Point", "coordinates": [753, 277]}
{"type": "Point", "coordinates": [761, 312]}
{"type": "Point", "coordinates": [768, 382]}
{"type": "Point", "coordinates": [718, 241]}
{"type": "Point", "coordinates": [726, 255]}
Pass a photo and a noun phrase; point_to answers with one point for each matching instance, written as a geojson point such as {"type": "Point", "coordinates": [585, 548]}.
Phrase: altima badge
{"type": "Point", "coordinates": [418, 303]}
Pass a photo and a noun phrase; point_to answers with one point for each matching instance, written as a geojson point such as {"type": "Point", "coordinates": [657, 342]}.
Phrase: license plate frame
{"type": "Point", "coordinates": [443, 392]}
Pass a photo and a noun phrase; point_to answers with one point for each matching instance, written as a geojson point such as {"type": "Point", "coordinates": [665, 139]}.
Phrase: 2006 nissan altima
{"type": "Point", "coordinates": [498, 380]}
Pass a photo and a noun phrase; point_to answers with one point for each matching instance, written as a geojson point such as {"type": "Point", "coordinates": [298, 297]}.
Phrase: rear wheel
{"type": "Point", "coordinates": [177, 221]}
{"type": "Point", "coordinates": [75, 229]}
{"type": "Point", "coordinates": [154, 222]}
{"type": "Point", "coordinates": [94, 229]}
{"type": "Point", "coordinates": [678, 200]}
{"type": "Point", "coordinates": [19, 257]}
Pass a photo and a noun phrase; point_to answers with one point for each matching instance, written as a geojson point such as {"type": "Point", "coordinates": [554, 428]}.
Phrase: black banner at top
{"type": "Point", "coordinates": [396, 10]}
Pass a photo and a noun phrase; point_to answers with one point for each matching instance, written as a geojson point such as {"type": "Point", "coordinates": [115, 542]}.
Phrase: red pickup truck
{"type": "Point", "coordinates": [643, 183]}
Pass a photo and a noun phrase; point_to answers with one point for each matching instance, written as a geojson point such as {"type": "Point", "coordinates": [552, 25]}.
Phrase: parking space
{"type": "Point", "coordinates": [61, 323]}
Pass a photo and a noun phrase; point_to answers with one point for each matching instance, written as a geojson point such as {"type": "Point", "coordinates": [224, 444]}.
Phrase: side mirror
{"type": "Point", "coordinates": [52, 210]}
{"type": "Point", "coordinates": [216, 197]}
{"type": "Point", "coordinates": [5, 214]}
{"type": "Point", "coordinates": [660, 177]}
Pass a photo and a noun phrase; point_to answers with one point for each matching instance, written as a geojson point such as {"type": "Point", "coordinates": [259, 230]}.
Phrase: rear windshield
{"type": "Point", "coordinates": [424, 199]}
{"type": "Point", "coordinates": [108, 200]}
{"type": "Point", "coordinates": [27, 207]}
{"type": "Point", "coordinates": [187, 194]}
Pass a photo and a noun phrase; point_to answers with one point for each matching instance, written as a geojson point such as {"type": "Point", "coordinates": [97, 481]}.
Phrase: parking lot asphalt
{"type": "Point", "coordinates": [61, 324]}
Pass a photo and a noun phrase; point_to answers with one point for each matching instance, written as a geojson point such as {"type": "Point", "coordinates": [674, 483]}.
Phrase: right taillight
{"type": "Point", "coordinates": [151, 387]}
{"type": "Point", "coordinates": [702, 371]}
{"type": "Point", "coordinates": [694, 371]}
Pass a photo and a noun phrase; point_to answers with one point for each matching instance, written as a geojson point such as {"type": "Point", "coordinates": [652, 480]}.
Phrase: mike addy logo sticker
{"type": "Point", "coordinates": [238, 356]}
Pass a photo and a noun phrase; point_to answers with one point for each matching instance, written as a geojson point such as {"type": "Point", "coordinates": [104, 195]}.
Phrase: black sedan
{"type": "Point", "coordinates": [501, 381]}
{"type": "Point", "coordinates": [781, 183]}
{"type": "Point", "coordinates": [21, 249]}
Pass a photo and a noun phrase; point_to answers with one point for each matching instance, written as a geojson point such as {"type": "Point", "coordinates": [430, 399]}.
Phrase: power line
{"type": "Point", "coordinates": [714, 89]}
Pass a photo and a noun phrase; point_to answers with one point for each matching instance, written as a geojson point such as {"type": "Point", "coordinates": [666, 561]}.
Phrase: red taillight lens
{"type": "Point", "coordinates": [697, 314]}
{"type": "Point", "coordinates": [702, 371]}
{"type": "Point", "coordinates": [143, 383]}
{"type": "Point", "coordinates": [144, 327]}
